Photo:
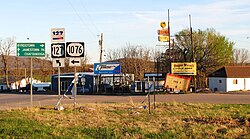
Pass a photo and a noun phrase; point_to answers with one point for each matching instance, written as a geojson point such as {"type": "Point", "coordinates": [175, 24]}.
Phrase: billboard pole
{"type": "Point", "coordinates": [192, 45]}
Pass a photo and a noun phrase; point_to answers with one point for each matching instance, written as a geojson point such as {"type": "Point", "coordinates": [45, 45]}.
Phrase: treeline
{"type": "Point", "coordinates": [209, 49]}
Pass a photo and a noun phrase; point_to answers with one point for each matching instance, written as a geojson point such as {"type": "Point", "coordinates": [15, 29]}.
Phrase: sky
{"type": "Point", "coordinates": [133, 22]}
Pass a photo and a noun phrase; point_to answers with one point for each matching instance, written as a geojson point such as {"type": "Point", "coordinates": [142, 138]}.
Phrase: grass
{"type": "Point", "coordinates": [113, 120]}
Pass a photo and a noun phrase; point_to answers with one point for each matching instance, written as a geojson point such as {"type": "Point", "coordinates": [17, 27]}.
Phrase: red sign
{"type": "Point", "coordinates": [163, 32]}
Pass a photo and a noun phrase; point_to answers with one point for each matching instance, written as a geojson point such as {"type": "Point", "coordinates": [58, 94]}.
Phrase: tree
{"type": "Point", "coordinates": [211, 50]}
{"type": "Point", "coordinates": [241, 56]}
{"type": "Point", "coordinates": [135, 59]}
{"type": "Point", "coordinates": [6, 48]}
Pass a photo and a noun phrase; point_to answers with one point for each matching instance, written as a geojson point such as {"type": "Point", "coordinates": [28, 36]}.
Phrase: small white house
{"type": "Point", "coordinates": [230, 78]}
{"type": "Point", "coordinates": [3, 87]}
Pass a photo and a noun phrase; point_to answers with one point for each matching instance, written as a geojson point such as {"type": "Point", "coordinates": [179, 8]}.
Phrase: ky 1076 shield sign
{"type": "Point", "coordinates": [75, 49]}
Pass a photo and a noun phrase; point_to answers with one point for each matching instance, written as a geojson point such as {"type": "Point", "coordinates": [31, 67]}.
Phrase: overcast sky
{"type": "Point", "coordinates": [122, 22]}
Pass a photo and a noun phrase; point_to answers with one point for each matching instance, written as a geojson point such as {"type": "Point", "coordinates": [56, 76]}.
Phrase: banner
{"type": "Point", "coordinates": [177, 82]}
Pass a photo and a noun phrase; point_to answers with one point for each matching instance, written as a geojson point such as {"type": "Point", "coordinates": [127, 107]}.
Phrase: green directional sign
{"type": "Point", "coordinates": [31, 49]}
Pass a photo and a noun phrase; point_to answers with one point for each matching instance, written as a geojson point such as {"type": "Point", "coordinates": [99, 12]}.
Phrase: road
{"type": "Point", "coordinates": [12, 101]}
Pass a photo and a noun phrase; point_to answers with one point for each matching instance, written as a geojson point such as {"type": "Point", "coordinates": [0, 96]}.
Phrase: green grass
{"type": "Point", "coordinates": [111, 120]}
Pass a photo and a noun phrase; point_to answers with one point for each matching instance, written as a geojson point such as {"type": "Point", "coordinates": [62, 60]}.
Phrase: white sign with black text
{"type": "Point", "coordinates": [75, 49]}
{"type": "Point", "coordinates": [58, 50]}
{"type": "Point", "coordinates": [57, 35]}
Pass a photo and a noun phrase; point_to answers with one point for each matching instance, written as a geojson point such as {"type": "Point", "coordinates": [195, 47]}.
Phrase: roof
{"type": "Point", "coordinates": [232, 72]}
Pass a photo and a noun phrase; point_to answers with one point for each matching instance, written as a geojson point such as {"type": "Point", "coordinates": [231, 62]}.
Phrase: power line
{"type": "Point", "coordinates": [82, 21]}
{"type": "Point", "coordinates": [90, 19]}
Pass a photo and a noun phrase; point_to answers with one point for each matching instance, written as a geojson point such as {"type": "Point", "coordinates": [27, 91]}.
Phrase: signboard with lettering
{"type": "Point", "coordinates": [75, 49]}
{"type": "Point", "coordinates": [107, 68]}
{"type": "Point", "coordinates": [185, 68]}
{"type": "Point", "coordinates": [58, 50]}
{"type": "Point", "coordinates": [177, 82]}
{"type": "Point", "coordinates": [31, 49]}
{"type": "Point", "coordinates": [57, 35]}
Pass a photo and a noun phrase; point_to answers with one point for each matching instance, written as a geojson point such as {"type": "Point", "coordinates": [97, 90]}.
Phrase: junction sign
{"type": "Point", "coordinates": [31, 49]}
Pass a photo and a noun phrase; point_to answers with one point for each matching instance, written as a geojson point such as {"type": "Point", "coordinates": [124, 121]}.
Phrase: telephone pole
{"type": "Point", "coordinates": [99, 77]}
{"type": "Point", "coordinates": [101, 47]}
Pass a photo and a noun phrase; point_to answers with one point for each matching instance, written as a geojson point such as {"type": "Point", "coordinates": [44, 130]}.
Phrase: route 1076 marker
{"type": "Point", "coordinates": [75, 49]}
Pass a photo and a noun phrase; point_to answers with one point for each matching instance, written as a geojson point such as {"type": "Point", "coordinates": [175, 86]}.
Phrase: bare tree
{"type": "Point", "coordinates": [6, 48]}
{"type": "Point", "coordinates": [241, 56]}
{"type": "Point", "coordinates": [135, 59]}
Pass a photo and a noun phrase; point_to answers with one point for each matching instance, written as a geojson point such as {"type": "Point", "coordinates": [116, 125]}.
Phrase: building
{"type": "Point", "coordinates": [90, 83]}
{"type": "Point", "coordinates": [83, 86]}
{"type": "Point", "coordinates": [230, 78]}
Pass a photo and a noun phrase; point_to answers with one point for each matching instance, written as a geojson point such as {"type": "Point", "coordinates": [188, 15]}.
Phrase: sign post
{"type": "Point", "coordinates": [58, 52]}
{"type": "Point", "coordinates": [31, 80]}
{"type": "Point", "coordinates": [31, 50]}
{"type": "Point", "coordinates": [75, 50]}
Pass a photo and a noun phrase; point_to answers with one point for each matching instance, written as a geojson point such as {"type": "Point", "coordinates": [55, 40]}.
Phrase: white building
{"type": "Point", "coordinates": [230, 78]}
{"type": "Point", "coordinates": [3, 87]}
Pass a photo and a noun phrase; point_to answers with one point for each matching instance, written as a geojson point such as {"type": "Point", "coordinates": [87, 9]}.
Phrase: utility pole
{"type": "Point", "coordinates": [100, 76]}
{"type": "Point", "coordinates": [101, 47]}
{"type": "Point", "coordinates": [169, 47]}
{"type": "Point", "coordinates": [193, 56]}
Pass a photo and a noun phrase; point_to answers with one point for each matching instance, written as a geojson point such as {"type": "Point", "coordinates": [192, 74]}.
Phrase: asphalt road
{"type": "Point", "coordinates": [12, 101]}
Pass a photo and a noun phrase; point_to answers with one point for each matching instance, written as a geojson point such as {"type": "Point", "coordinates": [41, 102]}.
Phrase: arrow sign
{"type": "Point", "coordinates": [58, 62]}
{"type": "Point", "coordinates": [75, 62]}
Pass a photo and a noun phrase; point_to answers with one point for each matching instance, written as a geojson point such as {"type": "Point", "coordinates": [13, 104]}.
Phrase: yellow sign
{"type": "Point", "coordinates": [163, 38]}
{"type": "Point", "coordinates": [177, 82]}
{"type": "Point", "coordinates": [186, 68]}
{"type": "Point", "coordinates": [163, 24]}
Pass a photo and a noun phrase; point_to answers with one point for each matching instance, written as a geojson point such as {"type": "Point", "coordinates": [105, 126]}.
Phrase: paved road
{"type": "Point", "coordinates": [11, 101]}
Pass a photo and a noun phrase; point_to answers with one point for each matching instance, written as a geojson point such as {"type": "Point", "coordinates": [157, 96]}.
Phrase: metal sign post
{"type": "Point", "coordinates": [75, 50]}
{"type": "Point", "coordinates": [75, 89]}
{"type": "Point", "coordinates": [30, 50]}
{"type": "Point", "coordinates": [59, 83]}
{"type": "Point", "coordinates": [31, 84]}
{"type": "Point", "coordinates": [58, 55]}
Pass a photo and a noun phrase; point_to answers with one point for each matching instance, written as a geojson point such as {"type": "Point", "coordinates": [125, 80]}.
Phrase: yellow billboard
{"type": "Point", "coordinates": [184, 68]}
{"type": "Point", "coordinates": [177, 82]}
{"type": "Point", "coordinates": [163, 38]}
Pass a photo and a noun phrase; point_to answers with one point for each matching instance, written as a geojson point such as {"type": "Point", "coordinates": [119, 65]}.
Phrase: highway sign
{"type": "Point", "coordinates": [31, 49]}
{"type": "Point", "coordinates": [58, 62]}
{"type": "Point", "coordinates": [57, 35]}
{"type": "Point", "coordinates": [75, 49]}
{"type": "Point", "coordinates": [58, 50]}
{"type": "Point", "coordinates": [107, 68]}
{"type": "Point", "coordinates": [75, 62]}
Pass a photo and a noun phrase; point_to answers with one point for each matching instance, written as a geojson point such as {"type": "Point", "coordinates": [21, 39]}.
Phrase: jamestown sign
{"type": "Point", "coordinates": [31, 49]}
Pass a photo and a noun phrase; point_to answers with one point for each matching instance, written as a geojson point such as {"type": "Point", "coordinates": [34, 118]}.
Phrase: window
{"type": "Point", "coordinates": [64, 85]}
{"type": "Point", "coordinates": [235, 81]}
{"type": "Point", "coordinates": [220, 81]}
